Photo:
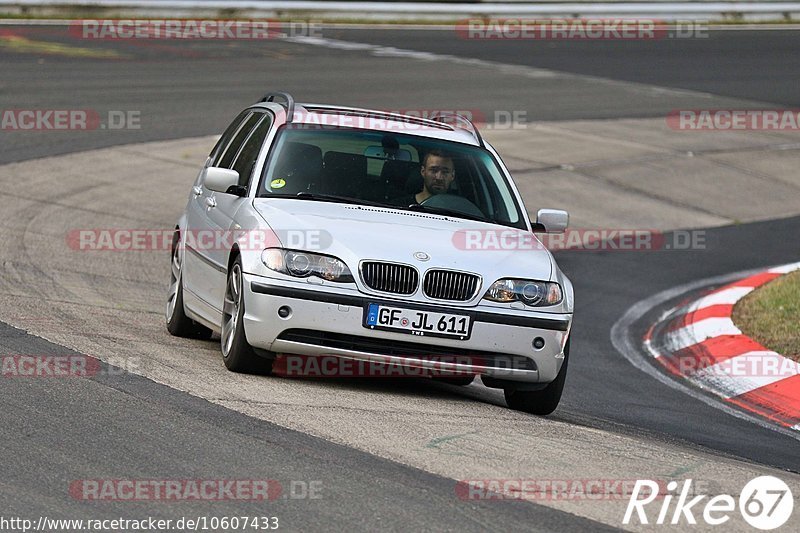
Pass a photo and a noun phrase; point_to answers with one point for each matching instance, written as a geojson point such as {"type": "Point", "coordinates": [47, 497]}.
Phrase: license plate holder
{"type": "Point", "coordinates": [418, 322]}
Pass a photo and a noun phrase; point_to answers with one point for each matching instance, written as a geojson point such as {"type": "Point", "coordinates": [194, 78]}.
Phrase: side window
{"type": "Point", "coordinates": [246, 159]}
{"type": "Point", "coordinates": [223, 141]}
{"type": "Point", "coordinates": [233, 147]}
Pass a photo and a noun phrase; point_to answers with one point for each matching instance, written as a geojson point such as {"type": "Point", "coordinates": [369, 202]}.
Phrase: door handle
{"type": "Point", "coordinates": [197, 190]}
{"type": "Point", "coordinates": [211, 202]}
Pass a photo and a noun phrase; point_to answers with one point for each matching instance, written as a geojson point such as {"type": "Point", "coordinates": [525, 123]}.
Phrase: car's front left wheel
{"type": "Point", "coordinates": [540, 402]}
{"type": "Point", "coordinates": [178, 323]}
{"type": "Point", "coordinates": [237, 353]}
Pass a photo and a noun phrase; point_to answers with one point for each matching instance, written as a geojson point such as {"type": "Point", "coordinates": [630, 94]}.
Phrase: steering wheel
{"type": "Point", "coordinates": [454, 203]}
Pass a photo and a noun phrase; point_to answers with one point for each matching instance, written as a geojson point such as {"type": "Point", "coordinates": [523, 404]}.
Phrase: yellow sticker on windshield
{"type": "Point", "coordinates": [277, 184]}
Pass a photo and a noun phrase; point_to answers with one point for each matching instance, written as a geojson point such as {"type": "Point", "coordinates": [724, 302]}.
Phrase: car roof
{"type": "Point", "coordinates": [457, 129]}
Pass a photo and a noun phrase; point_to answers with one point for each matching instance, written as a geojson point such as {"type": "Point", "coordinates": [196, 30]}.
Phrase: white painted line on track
{"type": "Point", "coordinates": [691, 334]}
{"type": "Point", "coordinates": [503, 68]}
{"type": "Point", "coordinates": [785, 269]}
{"type": "Point", "coordinates": [728, 296]}
{"type": "Point", "coordinates": [390, 51]}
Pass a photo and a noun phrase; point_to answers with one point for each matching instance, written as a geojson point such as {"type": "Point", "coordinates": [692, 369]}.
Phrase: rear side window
{"type": "Point", "coordinates": [248, 154]}
{"type": "Point", "coordinates": [223, 141]}
{"type": "Point", "coordinates": [238, 139]}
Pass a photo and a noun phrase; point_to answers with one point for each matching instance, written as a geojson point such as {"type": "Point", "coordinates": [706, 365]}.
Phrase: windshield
{"type": "Point", "coordinates": [393, 169]}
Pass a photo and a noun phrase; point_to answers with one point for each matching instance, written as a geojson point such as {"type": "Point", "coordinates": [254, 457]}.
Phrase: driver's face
{"type": "Point", "coordinates": [437, 174]}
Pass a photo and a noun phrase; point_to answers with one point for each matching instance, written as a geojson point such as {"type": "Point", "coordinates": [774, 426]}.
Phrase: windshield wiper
{"type": "Point", "coordinates": [446, 212]}
{"type": "Point", "coordinates": [303, 195]}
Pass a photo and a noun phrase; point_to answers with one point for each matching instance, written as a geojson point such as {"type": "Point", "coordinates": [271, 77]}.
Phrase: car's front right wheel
{"type": "Point", "coordinates": [540, 402]}
{"type": "Point", "coordinates": [237, 353]}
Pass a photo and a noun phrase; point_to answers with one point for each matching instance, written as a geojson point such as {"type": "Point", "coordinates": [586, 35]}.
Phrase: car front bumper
{"type": "Point", "coordinates": [500, 344]}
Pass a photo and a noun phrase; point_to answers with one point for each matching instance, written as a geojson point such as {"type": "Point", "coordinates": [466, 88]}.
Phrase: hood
{"type": "Point", "coordinates": [354, 233]}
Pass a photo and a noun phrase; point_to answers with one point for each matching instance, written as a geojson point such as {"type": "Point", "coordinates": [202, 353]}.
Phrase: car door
{"type": "Point", "coordinates": [223, 206]}
{"type": "Point", "coordinates": [201, 271]}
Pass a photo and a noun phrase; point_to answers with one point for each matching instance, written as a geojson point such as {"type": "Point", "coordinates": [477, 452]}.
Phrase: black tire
{"type": "Point", "coordinates": [178, 324]}
{"type": "Point", "coordinates": [237, 354]}
{"type": "Point", "coordinates": [461, 381]}
{"type": "Point", "coordinates": [540, 402]}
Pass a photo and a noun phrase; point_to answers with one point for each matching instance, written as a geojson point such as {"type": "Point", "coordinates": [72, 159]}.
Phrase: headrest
{"type": "Point", "coordinates": [299, 166]}
{"type": "Point", "coordinates": [342, 163]}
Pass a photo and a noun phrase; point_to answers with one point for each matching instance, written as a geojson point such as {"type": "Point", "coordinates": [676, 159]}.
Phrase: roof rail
{"type": "Point", "coordinates": [461, 122]}
{"type": "Point", "coordinates": [270, 97]}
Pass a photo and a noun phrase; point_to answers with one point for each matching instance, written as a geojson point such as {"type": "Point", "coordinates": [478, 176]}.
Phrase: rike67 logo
{"type": "Point", "coordinates": [765, 503]}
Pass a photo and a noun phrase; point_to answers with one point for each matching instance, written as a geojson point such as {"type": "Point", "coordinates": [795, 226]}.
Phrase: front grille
{"type": "Point", "coordinates": [389, 277]}
{"type": "Point", "coordinates": [450, 285]}
{"type": "Point", "coordinates": [408, 350]}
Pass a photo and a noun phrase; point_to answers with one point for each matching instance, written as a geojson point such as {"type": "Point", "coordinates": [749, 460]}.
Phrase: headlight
{"type": "Point", "coordinates": [299, 264]}
{"type": "Point", "coordinates": [529, 292]}
{"type": "Point", "coordinates": [304, 264]}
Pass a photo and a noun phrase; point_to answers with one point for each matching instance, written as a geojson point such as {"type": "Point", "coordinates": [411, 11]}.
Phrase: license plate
{"type": "Point", "coordinates": [417, 322]}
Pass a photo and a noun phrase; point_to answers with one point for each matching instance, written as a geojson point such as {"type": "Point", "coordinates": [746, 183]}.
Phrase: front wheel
{"type": "Point", "coordinates": [237, 354]}
{"type": "Point", "coordinates": [178, 323]}
{"type": "Point", "coordinates": [540, 402]}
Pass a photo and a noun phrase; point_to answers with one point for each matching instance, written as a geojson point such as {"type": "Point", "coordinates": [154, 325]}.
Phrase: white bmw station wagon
{"type": "Point", "coordinates": [322, 230]}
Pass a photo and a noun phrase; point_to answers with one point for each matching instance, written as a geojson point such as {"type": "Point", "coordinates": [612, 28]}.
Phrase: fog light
{"type": "Point", "coordinates": [538, 343]}
{"type": "Point", "coordinates": [284, 311]}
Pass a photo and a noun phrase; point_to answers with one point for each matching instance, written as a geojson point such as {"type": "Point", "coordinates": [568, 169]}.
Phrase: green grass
{"type": "Point", "coordinates": [770, 315]}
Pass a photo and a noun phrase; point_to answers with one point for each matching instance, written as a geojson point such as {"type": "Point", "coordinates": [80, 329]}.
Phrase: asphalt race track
{"type": "Point", "coordinates": [125, 425]}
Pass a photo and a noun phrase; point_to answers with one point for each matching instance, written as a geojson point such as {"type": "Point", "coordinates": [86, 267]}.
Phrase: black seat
{"type": "Point", "coordinates": [299, 169]}
{"type": "Point", "coordinates": [344, 174]}
{"type": "Point", "coordinates": [396, 176]}
{"type": "Point", "coordinates": [413, 184]}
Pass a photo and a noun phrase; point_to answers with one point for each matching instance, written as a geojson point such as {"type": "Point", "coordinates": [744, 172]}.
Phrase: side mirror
{"type": "Point", "coordinates": [552, 220]}
{"type": "Point", "coordinates": [220, 179]}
